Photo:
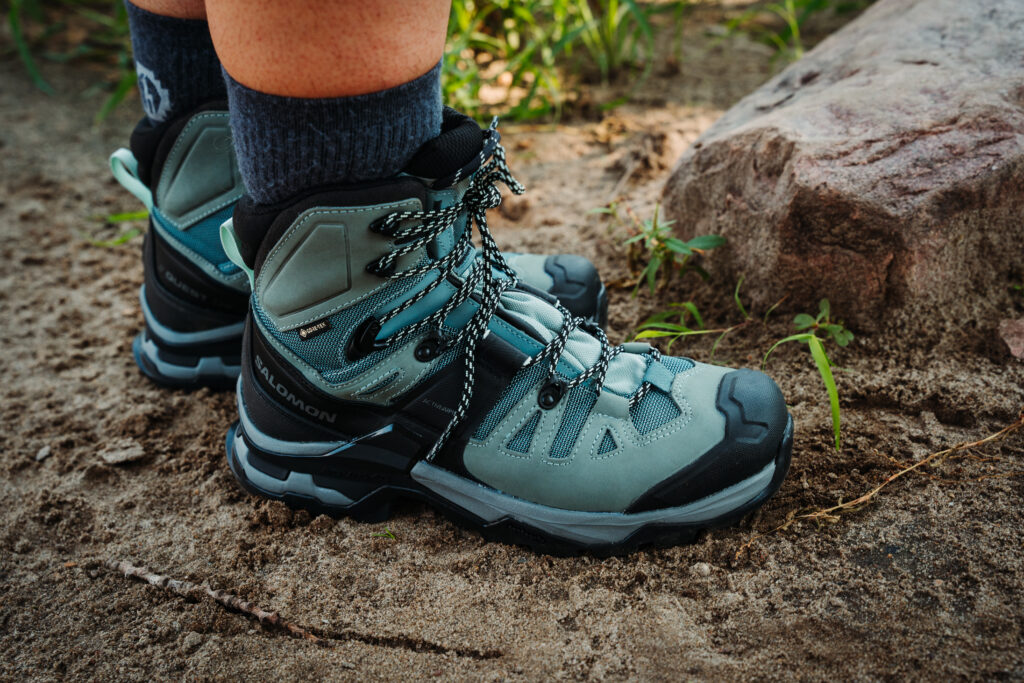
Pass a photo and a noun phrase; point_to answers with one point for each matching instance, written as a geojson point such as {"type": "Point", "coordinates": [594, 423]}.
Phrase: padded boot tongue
{"type": "Point", "coordinates": [625, 372]}
{"type": "Point", "coordinates": [445, 164]}
{"type": "Point", "coordinates": [460, 140]}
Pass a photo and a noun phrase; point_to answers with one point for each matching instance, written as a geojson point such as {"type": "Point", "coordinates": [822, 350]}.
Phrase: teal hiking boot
{"type": "Point", "coordinates": [194, 299]}
{"type": "Point", "coordinates": [387, 358]}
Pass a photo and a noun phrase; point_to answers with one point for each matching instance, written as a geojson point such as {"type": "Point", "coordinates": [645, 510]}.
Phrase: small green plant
{"type": "Point", "coordinates": [661, 325]}
{"type": "Point", "coordinates": [514, 46]}
{"type": "Point", "coordinates": [815, 331]}
{"type": "Point", "coordinates": [387, 533]}
{"type": "Point", "coordinates": [786, 18]}
{"type": "Point", "coordinates": [687, 322]}
{"type": "Point", "coordinates": [620, 34]}
{"type": "Point", "coordinates": [522, 50]}
{"type": "Point", "coordinates": [666, 256]}
{"type": "Point", "coordinates": [682, 320]}
{"type": "Point", "coordinates": [787, 41]}
{"type": "Point", "coordinates": [823, 322]}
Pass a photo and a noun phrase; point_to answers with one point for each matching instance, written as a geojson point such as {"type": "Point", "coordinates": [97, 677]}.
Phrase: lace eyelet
{"type": "Point", "coordinates": [373, 267]}
{"type": "Point", "coordinates": [550, 394]}
{"type": "Point", "coordinates": [378, 226]}
{"type": "Point", "coordinates": [427, 350]}
{"type": "Point", "coordinates": [364, 340]}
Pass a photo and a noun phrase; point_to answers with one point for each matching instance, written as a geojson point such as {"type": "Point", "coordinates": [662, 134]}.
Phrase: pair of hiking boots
{"type": "Point", "coordinates": [378, 354]}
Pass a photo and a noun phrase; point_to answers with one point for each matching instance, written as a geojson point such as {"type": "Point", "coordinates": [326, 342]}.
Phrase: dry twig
{"type": "Point", "coordinates": [187, 589]}
{"type": "Point", "coordinates": [831, 514]}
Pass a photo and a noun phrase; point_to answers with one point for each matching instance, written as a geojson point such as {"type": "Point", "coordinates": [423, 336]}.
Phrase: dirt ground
{"type": "Point", "coordinates": [923, 583]}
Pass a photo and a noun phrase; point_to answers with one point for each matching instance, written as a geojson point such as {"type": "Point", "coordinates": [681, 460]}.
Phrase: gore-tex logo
{"type": "Point", "coordinates": [313, 330]}
{"type": "Point", "coordinates": [287, 395]}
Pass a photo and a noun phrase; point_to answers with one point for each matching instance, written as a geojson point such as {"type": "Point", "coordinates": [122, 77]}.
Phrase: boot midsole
{"type": "Point", "coordinates": [175, 338]}
{"type": "Point", "coordinates": [359, 479]}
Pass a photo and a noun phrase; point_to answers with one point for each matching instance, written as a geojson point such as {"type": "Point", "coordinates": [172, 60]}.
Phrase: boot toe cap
{"type": "Point", "coordinates": [757, 434]}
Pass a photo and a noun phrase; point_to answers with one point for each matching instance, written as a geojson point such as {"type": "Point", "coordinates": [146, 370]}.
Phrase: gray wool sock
{"type": "Point", "coordinates": [174, 58]}
{"type": "Point", "coordinates": [289, 144]}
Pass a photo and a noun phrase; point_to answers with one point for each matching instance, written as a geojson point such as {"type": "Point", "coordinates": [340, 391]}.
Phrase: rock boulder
{"type": "Point", "coordinates": [884, 170]}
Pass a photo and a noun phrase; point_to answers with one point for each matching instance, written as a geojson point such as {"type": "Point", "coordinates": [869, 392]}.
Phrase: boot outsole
{"type": "Point", "coordinates": [183, 370]}
{"type": "Point", "coordinates": [371, 499]}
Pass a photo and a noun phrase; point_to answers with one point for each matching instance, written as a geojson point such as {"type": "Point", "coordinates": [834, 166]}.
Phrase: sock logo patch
{"type": "Point", "coordinates": [155, 98]}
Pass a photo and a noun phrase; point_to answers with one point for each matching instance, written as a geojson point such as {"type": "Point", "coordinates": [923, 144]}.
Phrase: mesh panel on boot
{"type": "Point", "coordinates": [653, 410]}
{"type": "Point", "coordinates": [676, 365]}
{"type": "Point", "coordinates": [520, 443]}
{"type": "Point", "coordinates": [204, 238]}
{"type": "Point", "coordinates": [607, 443]}
{"type": "Point", "coordinates": [513, 394]}
{"type": "Point", "coordinates": [326, 351]}
{"type": "Point", "coordinates": [581, 401]}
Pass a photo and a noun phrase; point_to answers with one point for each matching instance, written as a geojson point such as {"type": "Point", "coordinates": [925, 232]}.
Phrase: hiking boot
{"type": "Point", "coordinates": [386, 358]}
{"type": "Point", "coordinates": [194, 300]}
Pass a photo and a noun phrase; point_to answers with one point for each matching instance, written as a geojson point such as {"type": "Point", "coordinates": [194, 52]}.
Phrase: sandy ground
{"type": "Point", "coordinates": [923, 583]}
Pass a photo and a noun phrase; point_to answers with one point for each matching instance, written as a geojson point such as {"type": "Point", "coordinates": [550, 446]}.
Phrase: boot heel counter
{"type": "Point", "coordinates": [198, 175]}
{"type": "Point", "coordinates": [181, 295]}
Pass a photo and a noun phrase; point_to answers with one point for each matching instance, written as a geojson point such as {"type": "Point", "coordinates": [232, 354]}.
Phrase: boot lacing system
{"type": "Point", "coordinates": [413, 230]}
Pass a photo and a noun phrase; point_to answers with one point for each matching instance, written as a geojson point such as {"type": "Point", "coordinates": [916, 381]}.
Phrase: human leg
{"type": "Point", "coordinates": [176, 64]}
{"type": "Point", "coordinates": [183, 166]}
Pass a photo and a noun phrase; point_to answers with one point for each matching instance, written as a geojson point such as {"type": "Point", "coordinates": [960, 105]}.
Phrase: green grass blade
{"type": "Point", "coordinates": [670, 327]}
{"type": "Point", "coordinates": [651, 272]}
{"type": "Point", "coordinates": [825, 368]}
{"type": "Point", "coordinates": [718, 340]}
{"type": "Point", "coordinates": [127, 216]}
{"type": "Point", "coordinates": [654, 334]}
{"type": "Point", "coordinates": [124, 86]}
{"type": "Point", "coordinates": [771, 309]}
{"type": "Point", "coordinates": [736, 298]}
{"type": "Point", "coordinates": [692, 308]}
{"type": "Point", "coordinates": [117, 241]}
{"type": "Point", "coordinates": [14, 20]}
{"type": "Point", "coordinates": [806, 336]}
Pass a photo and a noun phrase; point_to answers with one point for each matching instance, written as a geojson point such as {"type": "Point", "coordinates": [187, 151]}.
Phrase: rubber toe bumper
{"type": "Point", "coordinates": [578, 286]}
{"type": "Point", "coordinates": [755, 426]}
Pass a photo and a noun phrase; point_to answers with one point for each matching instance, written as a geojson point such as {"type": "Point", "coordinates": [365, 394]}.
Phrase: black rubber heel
{"type": "Point", "coordinates": [185, 368]}
{"type": "Point", "coordinates": [371, 500]}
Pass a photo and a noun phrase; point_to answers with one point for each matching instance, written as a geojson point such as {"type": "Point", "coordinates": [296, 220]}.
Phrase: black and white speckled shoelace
{"type": "Point", "coordinates": [413, 230]}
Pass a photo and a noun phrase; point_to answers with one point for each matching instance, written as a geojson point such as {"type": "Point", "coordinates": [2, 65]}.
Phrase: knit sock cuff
{"type": "Point", "coordinates": [289, 144]}
{"type": "Point", "coordinates": [177, 66]}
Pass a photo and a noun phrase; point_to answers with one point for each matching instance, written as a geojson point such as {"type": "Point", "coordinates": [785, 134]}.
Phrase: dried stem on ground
{"type": "Point", "coordinates": [831, 514]}
{"type": "Point", "coordinates": [187, 589]}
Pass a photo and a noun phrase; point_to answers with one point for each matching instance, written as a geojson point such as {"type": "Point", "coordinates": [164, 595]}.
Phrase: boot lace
{"type": "Point", "coordinates": [413, 230]}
